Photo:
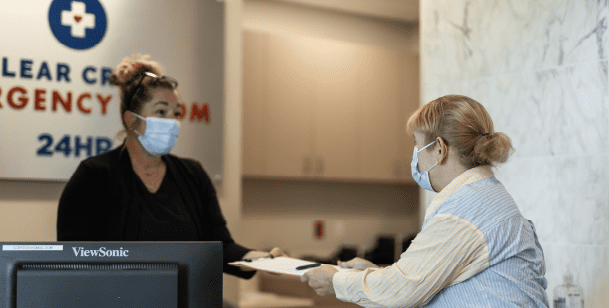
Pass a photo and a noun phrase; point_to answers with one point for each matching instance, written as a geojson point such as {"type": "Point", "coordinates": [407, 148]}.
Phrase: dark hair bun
{"type": "Point", "coordinates": [130, 68]}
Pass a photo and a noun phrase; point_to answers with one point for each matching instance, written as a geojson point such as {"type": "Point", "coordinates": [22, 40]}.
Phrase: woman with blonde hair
{"type": "Point", "coordinates": [139, 191]}
{"type": "Point", "coordinates": [475, 248]}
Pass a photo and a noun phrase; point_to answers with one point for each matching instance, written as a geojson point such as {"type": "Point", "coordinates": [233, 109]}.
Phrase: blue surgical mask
{"type": "Point", "coordinates": [161, 135]}
{"type": "Point", "coordinates": [422, 178]}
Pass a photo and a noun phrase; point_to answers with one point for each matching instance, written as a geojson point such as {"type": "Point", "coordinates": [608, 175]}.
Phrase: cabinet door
{"type": "Point", "coordinates": [315, 107]}
{"type": "Point", "coordinates": [289, 106]}
{"type": "Point", "coordinates": [382, 112]}
{"type": "Point", "coordinates": [255, 145]}
{"type": "Point", "coordinates": [337, 92]}
{"type": "Point", "coordinates": [410, 91]}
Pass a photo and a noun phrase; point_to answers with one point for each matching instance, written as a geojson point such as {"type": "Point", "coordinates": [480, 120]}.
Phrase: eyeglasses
{"type": "Point", "coordinates": [172, 81]}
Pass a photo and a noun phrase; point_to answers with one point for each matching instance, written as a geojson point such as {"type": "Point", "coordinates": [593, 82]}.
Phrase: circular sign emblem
{"type": "Point", "coordinates": [78, 24]}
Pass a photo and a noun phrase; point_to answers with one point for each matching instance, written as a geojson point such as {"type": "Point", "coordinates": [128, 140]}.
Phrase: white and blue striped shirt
{"type": "Point", "coordinates": [475, 250]}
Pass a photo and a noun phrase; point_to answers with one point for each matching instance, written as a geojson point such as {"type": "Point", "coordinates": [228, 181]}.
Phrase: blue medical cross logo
{"type": "Point", "coordinates": [78, 24]}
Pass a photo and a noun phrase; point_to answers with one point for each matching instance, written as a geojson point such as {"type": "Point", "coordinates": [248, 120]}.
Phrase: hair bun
{"type": "Point", "coordinates": [126, 71]}
{"type": "Point", "coordinates": [495, 148]}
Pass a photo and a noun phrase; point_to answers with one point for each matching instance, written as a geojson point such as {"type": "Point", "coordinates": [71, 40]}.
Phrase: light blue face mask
{"type": "Point", "coordinates": [161, 135]}
{"type": "Point", "coordinates": [422, 178]}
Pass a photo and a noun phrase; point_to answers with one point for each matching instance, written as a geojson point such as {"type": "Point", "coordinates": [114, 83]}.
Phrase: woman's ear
{"type": "Point", "coordinates": [442, 150]}
{"type": "Point", "coordinates": [130, 119]}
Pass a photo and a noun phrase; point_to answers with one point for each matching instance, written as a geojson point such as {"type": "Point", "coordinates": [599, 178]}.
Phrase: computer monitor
{"type": "Point", "coordinates": [111, 274]}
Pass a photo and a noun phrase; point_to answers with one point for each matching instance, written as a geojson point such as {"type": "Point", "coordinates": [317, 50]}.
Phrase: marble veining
{"type": "Point", "coordinates": [560, 111]}
{"type": "Point", "coordinates": [487, 38]}
{"type": "Point", "coordinates": [566, 197]}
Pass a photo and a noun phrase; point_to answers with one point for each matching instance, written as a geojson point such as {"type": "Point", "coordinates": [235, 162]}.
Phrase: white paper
{"type": "Point", "coordinates": [282, 265]}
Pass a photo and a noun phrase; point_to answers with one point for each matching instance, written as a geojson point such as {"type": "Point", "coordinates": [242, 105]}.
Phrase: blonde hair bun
{"type": "Point", "coordinates": [492, 148]}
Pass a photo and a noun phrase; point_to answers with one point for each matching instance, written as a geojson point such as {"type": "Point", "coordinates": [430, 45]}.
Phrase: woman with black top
{"type": "Point", "coordinates": [140, 192]}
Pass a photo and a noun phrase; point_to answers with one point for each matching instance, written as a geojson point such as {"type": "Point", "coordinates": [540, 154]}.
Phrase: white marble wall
{"type": "Point", "coordinates": [540, 69]}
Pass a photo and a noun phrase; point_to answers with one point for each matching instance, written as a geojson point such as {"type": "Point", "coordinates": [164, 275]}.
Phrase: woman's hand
{"type": "Point", "coordinates": [357, 263]}
{"type": "Point", "coordinates": [277, 252]}
{"type": "Point", "coordinates": [256, 254]}
{"type": "Point", "coordinates": [320, 279]}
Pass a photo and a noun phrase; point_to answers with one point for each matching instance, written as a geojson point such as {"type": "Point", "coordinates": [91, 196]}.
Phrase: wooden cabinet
{"type": "Point", "coordinates": [277, 108]}
{"type": "Point", "coordinates": [255, 144]}
{"type": "Point", "coordinates": [326, 109]}
{"type": "Point", "coordinates": [391, 96]}
{"type": "Point", "coordinates": [337, 101]}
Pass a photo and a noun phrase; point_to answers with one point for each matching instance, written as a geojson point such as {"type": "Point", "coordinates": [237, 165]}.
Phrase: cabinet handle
{"type": "Point", "coordinates": [306, 166]}
{"type": "Point", "coordinates": [320, 166]}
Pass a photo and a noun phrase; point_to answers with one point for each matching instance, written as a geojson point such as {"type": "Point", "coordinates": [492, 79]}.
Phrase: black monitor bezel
{"type": "Point", "coordinates": [193, 273]}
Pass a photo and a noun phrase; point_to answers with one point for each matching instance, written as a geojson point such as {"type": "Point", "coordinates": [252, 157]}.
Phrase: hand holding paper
{"type": "Point", "coordinates": [357, 263]}
{"type": "Point", "coordinates": [255, 254]}
{"type": "Point", "coordinates": [320, 279]}
{"type": "Point", "coordinates": [281, 265]}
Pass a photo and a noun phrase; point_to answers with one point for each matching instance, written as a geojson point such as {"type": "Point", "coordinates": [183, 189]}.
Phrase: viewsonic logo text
{"type": "Point", "coordinates": [101, 252]}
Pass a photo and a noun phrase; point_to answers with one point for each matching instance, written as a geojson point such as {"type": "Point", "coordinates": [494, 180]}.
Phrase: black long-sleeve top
{"type": "Point", "coordinates": [104, 200]}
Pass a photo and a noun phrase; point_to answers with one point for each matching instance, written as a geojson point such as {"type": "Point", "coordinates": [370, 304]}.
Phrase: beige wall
{"type": "Point", "coordinates": [281, 17]}
{"type": "Point", "coordinates": [283, 213]}
{"type": "Point", "coordinates": [230, 194]}
{"type": "Point", "coordinates": [28, 210]}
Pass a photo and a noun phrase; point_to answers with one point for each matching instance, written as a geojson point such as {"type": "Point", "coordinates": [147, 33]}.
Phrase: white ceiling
{"type": "Point", "coordinates": [401, 10]}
